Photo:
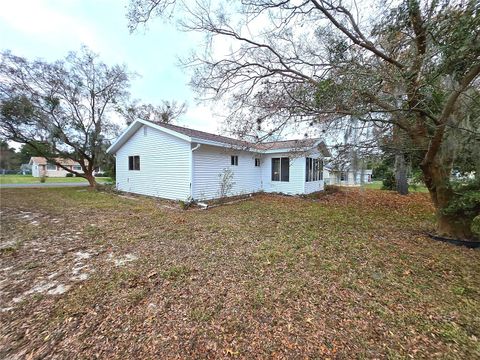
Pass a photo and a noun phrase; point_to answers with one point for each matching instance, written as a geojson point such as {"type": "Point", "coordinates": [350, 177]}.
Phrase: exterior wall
{"type": "Point", "coordinates": [209, 162]}
{"type": "Point", "coordinates": [367, 177]}
{"type": "Point", "coordinates": [335, 178]}
{"type": "Point", "coordinates": [296, 183]}
{"type": "Point", "coordinates": [56, 173]}
{"type": "Point", "coordinates": [35, 170]}
{"type": "Point", "coordinates": [169, 169]}
{"type": "Point", "coordinates": [164, 165]}
{"type": "Point", "coordinates": [41, 170]}
{"type": "Point", "coordinates": [328, 177]}
{"type": "Point", "coordinates": [351, 181]}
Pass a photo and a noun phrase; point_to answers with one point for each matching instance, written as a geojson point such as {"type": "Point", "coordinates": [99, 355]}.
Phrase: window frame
{"type": "Point", "coordinates": [313, 169]}
{"type": "Point", "coordinates": [79, 168]}
{"type": "Point", "coordinates": [257, 162]}
{"type": "Point", "coordinates": [281, 170]}
{"type": "Point", "coordinates": [134, 163]}
{"type": "Point", "coordinates": [233, 160]}
{"type": "Point", "coordinates": [343, 176]}
{"type": "Point", "coordinates": [51, 165]}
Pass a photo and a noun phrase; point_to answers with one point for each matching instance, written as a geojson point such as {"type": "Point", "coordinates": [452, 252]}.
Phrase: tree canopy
{"type": "Point", "coordinates": [409, 67]}
{"type": "Point", "coordinates": [68, 104]}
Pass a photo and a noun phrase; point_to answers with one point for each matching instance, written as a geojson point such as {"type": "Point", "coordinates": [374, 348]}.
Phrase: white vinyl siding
{"type": "Point", "coordinates": [296, 181]}
{"type": "Point", "coordinates": [164, 169]}
{"type": "Point", "coordinates": [210, 161]}
{"type": "Point", "coordinates": [35, 170]}
{"type": "Point", "coordinates": [174, 166]}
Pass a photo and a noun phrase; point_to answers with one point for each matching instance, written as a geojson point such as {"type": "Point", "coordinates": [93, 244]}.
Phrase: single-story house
{"type": "Point", "coordinates": [179, 163]}
{"type": "Point", "coordinates": [41, 167]}
{"type": "Point", "coordinates": [347, 176]}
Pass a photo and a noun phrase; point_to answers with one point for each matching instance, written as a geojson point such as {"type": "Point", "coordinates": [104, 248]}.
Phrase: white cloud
{"type": "Point", "coordinates": [45, 22]}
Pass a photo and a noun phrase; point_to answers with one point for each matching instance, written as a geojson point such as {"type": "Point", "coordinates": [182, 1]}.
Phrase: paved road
{"type": "Point", "coordinates": [42, 185]}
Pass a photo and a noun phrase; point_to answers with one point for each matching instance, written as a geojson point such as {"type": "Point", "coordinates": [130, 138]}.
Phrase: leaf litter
{"type": "Point", "coordinates": [344, 275]}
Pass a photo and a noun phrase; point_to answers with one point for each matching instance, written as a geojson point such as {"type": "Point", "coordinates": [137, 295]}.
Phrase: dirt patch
{"type": "Point", "coordinates": [47, 260]}
{"type": "Point", "coordinates": [122, 260]}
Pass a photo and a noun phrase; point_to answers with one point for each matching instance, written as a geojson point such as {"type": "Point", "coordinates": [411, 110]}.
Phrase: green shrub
{"type": "Point", "coordinates": [43, 179]}
{"type": "Point", "coordinates": [466, 199]}
{"type": "Point", "coordinates": [466, 203]}
{"type": "Point", "coordinates": [389, 181]}
{"type": "Point", "coordinates": [475, 227]}
{"type": "Point", "coordinates": [416, 180]}
{"type": "Point", "coordinates": [380, 171]}
{"type": "Point", "coordinates": [69, 175]}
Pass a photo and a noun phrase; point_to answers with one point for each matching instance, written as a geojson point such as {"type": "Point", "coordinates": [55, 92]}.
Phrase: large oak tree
{"type": "Point", "coordinates": [406, 68]}
{"type": "Point", "coordinates": [68, 105]}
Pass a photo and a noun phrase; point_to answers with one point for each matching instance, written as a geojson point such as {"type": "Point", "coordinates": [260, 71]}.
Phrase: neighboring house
{"type": "Point", "coordinates": [41, 167]}
{"type": "Point", "coordinates": [178, 163]}
{"type": "Point", "coordinates": [26, 169]}
{"type": "Point", "coordinates": [346, 177]}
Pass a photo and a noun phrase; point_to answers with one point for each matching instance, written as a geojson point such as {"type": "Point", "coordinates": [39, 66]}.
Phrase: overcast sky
{"type": "Point", "coordinates": [49, 29]}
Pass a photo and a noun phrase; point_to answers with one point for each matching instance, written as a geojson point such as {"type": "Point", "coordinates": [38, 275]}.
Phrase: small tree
{"type": "Point", "coordinates": [66, 105]}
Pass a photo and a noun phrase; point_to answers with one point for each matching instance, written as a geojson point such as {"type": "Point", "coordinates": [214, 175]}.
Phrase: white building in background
{"type": "Point", "coordinates": [347, 177]}
{"type": "Point", "coordinates": [42, 167]}
{"type": "Point", "coordinates": [174, 162]}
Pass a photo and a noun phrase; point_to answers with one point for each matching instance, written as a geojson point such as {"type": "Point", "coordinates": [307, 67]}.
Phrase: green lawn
{"type": "Point", "coordinates": [28, 179]}
{"type": "Point", "coordinates": [344, 275]}
{"type": "Point", "coordinates": [377, 185]}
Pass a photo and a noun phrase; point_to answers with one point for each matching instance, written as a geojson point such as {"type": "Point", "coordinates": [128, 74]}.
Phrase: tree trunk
{"type": "Point", "coordinates": [401, 181]}
{"type": "Point", "coordinates": [437, 180]}
{"type": "Point", "coordinates": [91, 179]}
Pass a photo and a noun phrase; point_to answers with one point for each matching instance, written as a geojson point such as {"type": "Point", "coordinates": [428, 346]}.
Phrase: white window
{"type": "Point", "coordinates": [257, 162]}
{"type": "Point", "coordinates": [77, 168]}
{"type": "Point", "coordinates": [280, 169]}
{"type": "Point", "coordinates": [234, 160]}
{"type": "Point", "coordinates": [134, 162]}
{"type": "Point", "coordinates": [313, 169]}
{"type": "Point", "coordinates": [51, 166]}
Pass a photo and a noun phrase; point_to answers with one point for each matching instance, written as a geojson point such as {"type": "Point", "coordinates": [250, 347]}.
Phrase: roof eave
{"type": "Point", "coordinates": [222, 144]}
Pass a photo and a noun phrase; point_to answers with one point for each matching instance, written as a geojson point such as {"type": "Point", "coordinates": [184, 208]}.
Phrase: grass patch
{"type": "Point", "coordinates": [378, 184]}
{"type": "Point", "coordinates": [176, 273]}
{"type": "Point", "coordinates": [29, 179]}
{"type": "Point", "coordinates": [344, 275]}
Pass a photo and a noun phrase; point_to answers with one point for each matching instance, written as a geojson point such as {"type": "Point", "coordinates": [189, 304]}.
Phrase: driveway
{"type": "Point", "coordinates": [42, 185]}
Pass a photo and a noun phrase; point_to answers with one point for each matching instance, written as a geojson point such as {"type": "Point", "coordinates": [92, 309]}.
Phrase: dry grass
{"type": "Point", "coordinates": [344, 275]}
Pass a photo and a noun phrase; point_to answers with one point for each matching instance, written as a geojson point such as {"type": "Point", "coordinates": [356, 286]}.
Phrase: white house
{"type": "Point", "coordinates": [178, 163]}
{"type": "Point", "coordinates": [346, 177]}
{"type": "Point", "coordinates": [41, 167]}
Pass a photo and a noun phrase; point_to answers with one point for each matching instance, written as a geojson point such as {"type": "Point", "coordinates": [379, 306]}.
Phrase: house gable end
{"type": "Point", "coordinates": [137, 125]}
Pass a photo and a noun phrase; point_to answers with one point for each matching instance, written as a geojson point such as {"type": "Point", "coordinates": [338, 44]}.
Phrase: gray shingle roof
{"type": "Point", "coordinates": [272, 145]}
